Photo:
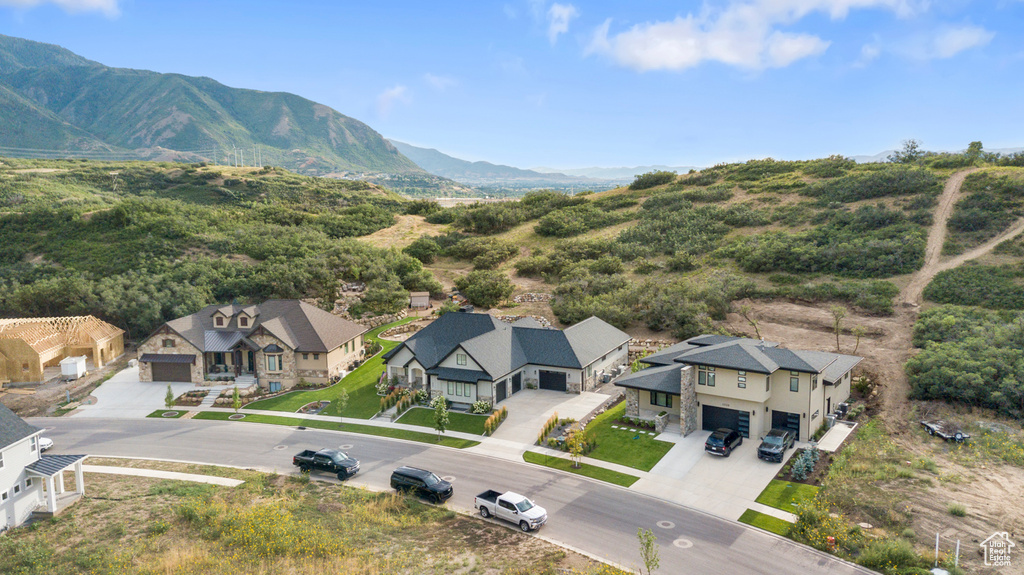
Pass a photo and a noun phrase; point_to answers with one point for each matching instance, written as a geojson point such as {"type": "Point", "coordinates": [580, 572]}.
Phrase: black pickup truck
{"type": "Point", "coordinates": [329, 460]}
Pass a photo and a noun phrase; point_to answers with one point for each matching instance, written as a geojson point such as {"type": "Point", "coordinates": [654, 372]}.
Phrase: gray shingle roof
{"type": "Point", "coordinates": [455, 374]}
{"type": "Point", "coordinates": [731, 355]}
{"type": "Point", "coordinates": [668, 355]}
{"type": "Point", "coordinates": [13, 428]}
{"type": "Point", "coordinates": [664, 378]}
{"type": "Point", "coordinates": [499, 348]}
{"type": "Point", "coordinates": [592, 338]}
{"type": "Point", "coordinates": [436, 341]}
{"type": "Point", "coordinates": [50, 465]}
{"type": "Point", "coordinates": [839, 367]}
{"type": "Point", "coordinates": [301, 326]}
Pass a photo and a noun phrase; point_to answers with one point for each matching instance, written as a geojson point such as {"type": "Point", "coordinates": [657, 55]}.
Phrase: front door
{"type": "Point", "coordinates": [237, 361]}
{"type": "Point", "coordinates": [252, 362]}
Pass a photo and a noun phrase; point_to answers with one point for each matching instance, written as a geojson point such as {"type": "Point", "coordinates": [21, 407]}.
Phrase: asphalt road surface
{"type": "Point", "coordinates": [592, 516]}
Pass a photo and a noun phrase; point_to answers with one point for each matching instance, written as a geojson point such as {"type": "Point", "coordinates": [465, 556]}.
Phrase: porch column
{"type": "Point", "coordinates": [79, 479]}
{"type": "Point", "coordinates": [51, 495]}
{"type": "Point", "coordinates": [60, 483]}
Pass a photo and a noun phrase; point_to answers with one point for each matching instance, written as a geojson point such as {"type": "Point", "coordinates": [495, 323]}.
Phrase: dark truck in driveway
{"type": "Point", "coordinates": [329, 460]}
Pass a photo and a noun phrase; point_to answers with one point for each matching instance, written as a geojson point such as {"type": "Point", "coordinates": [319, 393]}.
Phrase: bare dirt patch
{"type": "Point", "coordinates": [405, 231]}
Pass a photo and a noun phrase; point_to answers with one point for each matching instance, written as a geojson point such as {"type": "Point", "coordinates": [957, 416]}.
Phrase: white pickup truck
{"type": "Point", "coordinates": [511, 507]}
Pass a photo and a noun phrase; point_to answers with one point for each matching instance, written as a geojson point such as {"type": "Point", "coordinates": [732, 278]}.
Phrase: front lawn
{"type": "Point", "coordinates": [766, 522]}
{"type": "Point", "coordinates": [160, 413]}
{"type": "Point", "coordinates": [625, 447]}
{"type": "Point", "coordinates": [464, 422]}
{"type": "Point", "coordinates": [363, 401]}
{"type": "Point", "coordinates": [592, 471]}
{"type": "Point", "coordinates": [785, 495]}
{"type": "Point", "coordinates": [348, 427]}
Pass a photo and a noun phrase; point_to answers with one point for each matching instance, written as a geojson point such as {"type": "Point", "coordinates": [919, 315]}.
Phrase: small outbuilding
{"type": "Point", "coordinates": [419, 300]}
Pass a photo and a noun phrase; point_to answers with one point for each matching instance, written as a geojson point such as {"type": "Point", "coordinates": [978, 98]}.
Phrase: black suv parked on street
{"type": "Point", "coordinates": [723, 441]}
{"type": "Point", "coordinates": [774, 445]}
{"type": "Point", "coordinates": [421, 482]}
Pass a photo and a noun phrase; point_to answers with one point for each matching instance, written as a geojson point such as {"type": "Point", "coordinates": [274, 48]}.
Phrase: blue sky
{"type": "Point", "coordinates": [574, 83]}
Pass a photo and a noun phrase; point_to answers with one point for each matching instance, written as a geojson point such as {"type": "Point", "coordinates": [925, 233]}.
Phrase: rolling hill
{"type": "Point", "coordinates": [53, 99]}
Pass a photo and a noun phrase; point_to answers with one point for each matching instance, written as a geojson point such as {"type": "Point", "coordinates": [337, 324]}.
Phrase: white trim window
{"type": "Point", "coordinates": [33, 444]}
{"type": "Point", "coordinates": [274, 362]}
{"type": "Point", "coordinates": [460, 359]}
{"type": "Point", "coordinates": [1, 459]}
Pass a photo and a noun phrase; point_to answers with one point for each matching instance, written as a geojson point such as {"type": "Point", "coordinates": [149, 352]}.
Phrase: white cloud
{"type": "Point", "coordinates": [439, 83]}
{"type": "Point", "coordinates": [869, 53]}
{"type": "Point", "coordinates": [745, 34]}
{"type": "Point", "coordinates": [949, 42]}
{"type": "Point", "coordinates": [559, 16]}
{"type": "Point", "coordinates": [386, 100]}
{"type": "Point", "coordinates": [107, 7]}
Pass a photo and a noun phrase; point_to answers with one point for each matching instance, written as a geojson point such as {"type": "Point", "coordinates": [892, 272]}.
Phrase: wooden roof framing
{"type": "Point", "coordinates": [47, 333]}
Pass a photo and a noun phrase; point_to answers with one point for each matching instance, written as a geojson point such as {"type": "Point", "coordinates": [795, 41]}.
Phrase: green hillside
{"type": "Point", "coordinates": [53, 99]}
{"type": "Point", "coordinates": [138, 243]}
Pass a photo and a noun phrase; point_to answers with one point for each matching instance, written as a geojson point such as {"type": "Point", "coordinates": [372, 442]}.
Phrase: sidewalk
{"type": "Point", "coordinates": [137, 472]}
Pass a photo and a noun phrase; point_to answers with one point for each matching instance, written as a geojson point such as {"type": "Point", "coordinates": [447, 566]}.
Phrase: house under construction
{"type": "Point", "coordinates": [30, 345]}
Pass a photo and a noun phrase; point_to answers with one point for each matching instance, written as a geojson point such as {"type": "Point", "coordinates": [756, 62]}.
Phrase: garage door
{"type": "Point", "coordinates": [517, 383]}
{"type": "Point", "coordinates": [553, 380]}
{"type": "Point", "coordinates": [786, 420]}
{"type": "Point", "coordinates": [500, 389]}
{"type": "Point", "coordinates": [172, 372]}
{"type": "Point", "coordinates": [713, 418]}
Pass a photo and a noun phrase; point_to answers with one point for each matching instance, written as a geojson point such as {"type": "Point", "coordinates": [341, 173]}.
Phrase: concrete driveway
{"type": "Point", "coordinates": [724, 486]}
{"type": "Point", "coordinates": [527, 412]}
{"type": "Point", "coordinates": [125, 397]}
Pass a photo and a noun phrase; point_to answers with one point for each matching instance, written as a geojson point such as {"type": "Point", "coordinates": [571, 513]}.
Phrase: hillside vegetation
{"type": "Point", "coordinates": [139, 243]}
{"type": "Point", "coordinates": [672, 252]}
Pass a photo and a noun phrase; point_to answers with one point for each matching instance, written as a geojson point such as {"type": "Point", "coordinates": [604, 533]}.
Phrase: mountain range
{"type": "Point", "coordinates": [52, 99]}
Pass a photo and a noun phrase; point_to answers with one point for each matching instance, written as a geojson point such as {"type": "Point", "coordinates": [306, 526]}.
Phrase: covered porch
{"type": "Point", "coordinates": [229, 355]}
{"type": "Point", "coordinates": [50, 470]}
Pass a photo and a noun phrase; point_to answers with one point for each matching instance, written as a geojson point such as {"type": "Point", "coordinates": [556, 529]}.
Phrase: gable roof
{"type": "Point", "coordinates": [301, 326]}
{"type": "Point", "coordinates": [499, 348]}
{"type": "Point", "coordinates": [13, 428]}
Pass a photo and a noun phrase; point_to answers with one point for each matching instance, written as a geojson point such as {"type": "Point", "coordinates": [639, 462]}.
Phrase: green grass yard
{"type": "Point", "coordinates": [592, 471]}
{"type": "Point", "coordinates": [160, 413]}
{"type": "Point", "coordinates": [363, 401]}
{"type": "Point", "coordinates": [629, 448]}
{"type": "Point", "coordinates": [785, 495]}
{"type": "Point", "coordinates": [347, 427]}
{"type": "Point", "coordinates": [464, 422]}
{"type": "Point", "coordinates": [766, 522]}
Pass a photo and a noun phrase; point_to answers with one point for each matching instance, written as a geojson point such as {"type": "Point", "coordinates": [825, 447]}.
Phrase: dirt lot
{"type": "Point", "coordinates": [405, 231]}
{"type": "Point", "coordinates": [44, 398]}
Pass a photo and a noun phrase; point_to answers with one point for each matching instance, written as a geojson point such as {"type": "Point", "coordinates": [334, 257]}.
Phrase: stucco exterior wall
{"type": "Point", "coordinates": [181, 347]}
{"type": "Point", "coordinates": [727, 385]}
{"type": "Point", "coordinates": [617, 356]}
{"type": "Point", "coordinates": [456, 391]}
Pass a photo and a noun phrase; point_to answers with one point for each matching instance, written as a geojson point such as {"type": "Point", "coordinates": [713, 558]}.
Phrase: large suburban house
{"type": "Point", "coordinates": [29, 346]}
{"type": "Point", "coordinates": [31, 482]}
{"type": "Point", "coordinates": [713, 381]}
{"type": "Point", "coordinates": [468, 357]}
{"type": "Point", "coordinates": [274, 344]}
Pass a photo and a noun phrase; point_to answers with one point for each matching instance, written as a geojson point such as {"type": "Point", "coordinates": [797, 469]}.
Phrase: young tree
{"type": "Point", "coordinates": [169, 398]}
{"type": "Point", "coordinates": [910, 153]}
{"type": "Point", "coordinates": [575, 442]}
{"type": "Point", "coordinates": [441, 417]}
{"type": "Point", "coordinates": [838, 313]}
{"type": "Point", "coordinates": [858, 331]}
{"type": "Point", "coordinates": [342, 402]}
{"type": "Point", "coordinates": [648, 550]}
{"type": "Point", "coordinates": [745, 314]}
{"type": "Point", "coordinates": [236, 400]}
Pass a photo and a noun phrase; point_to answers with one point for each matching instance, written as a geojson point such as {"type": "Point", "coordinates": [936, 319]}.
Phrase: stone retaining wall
{"type": "Point", "coordinates": [380, 320]}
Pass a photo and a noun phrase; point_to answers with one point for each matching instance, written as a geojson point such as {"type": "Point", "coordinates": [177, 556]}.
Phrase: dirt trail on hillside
{"type": "Point", "coordinates": [993, 494]}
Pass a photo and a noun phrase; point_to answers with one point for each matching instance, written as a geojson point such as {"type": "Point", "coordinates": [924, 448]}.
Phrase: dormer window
{"type": "Point", "coordinates": [219, 321]}
{"type": "Point", "coordinates": [243, 321]}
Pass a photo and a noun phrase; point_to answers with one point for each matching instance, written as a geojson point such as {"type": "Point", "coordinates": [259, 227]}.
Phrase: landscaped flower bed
{"type": "Point", "coordinates": [635, 423]}
{"type": "Point", "coordinates": [314, 407]}
{"type": "Point", "coordinates": [810, 473]}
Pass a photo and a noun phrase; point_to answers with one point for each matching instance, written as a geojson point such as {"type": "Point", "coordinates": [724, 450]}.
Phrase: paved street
{"type": "Point", "coordinates": [595, 517]}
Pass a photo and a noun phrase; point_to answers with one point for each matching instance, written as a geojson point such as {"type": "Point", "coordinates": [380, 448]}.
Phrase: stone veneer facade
{"type": "Point", "coordinates": [155, 344]}
{"type": "Point", "coordinates": [287, 376]}
{"type": "Point", "coordinates": [632, 402]}
{"type": "Point", "coordinates": [687, 400]}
